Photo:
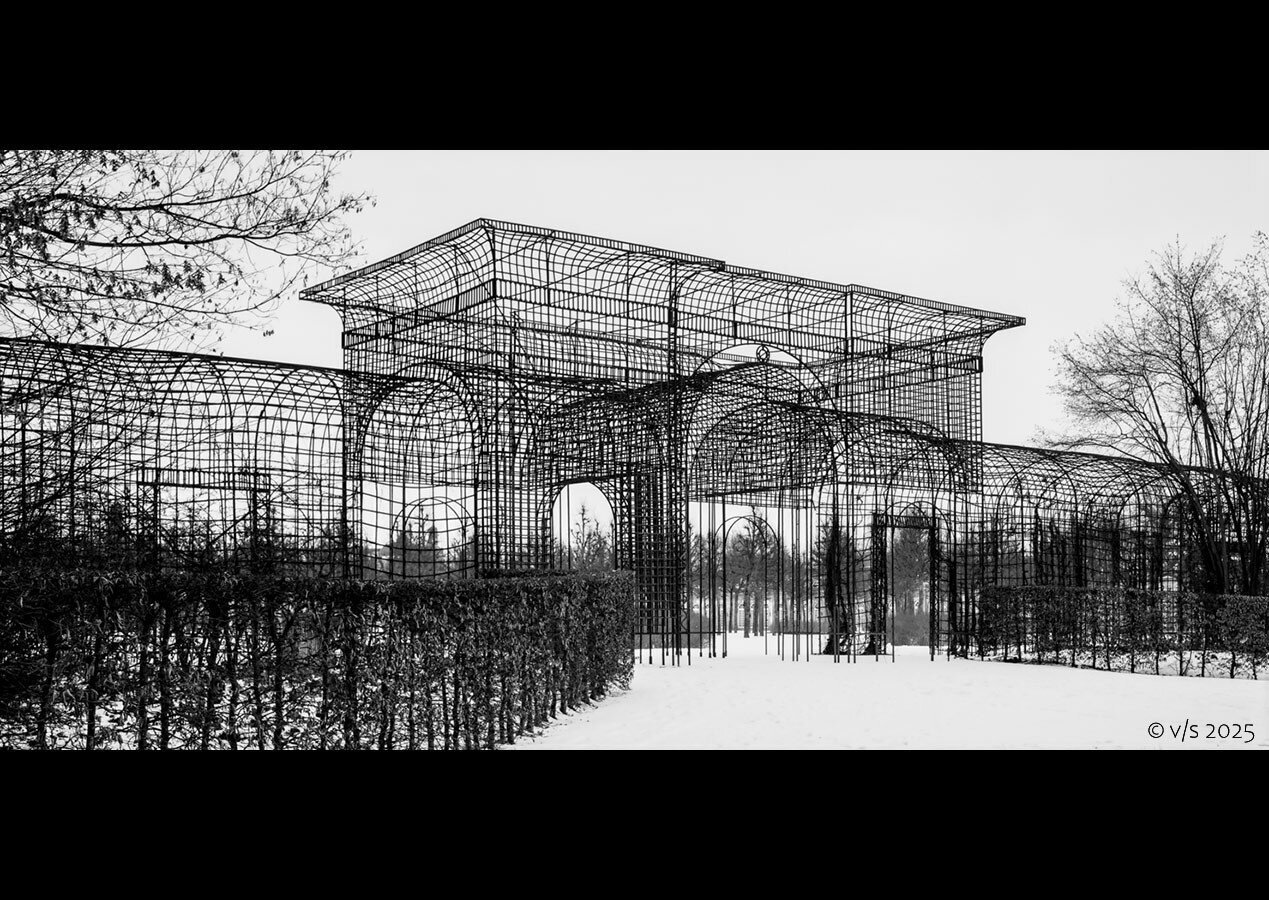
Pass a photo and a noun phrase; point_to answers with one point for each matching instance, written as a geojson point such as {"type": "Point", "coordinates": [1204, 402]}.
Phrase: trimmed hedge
{"type": "Point", "coordinates": [1125, 628]}
{"type": "Point", "coordinates": [91, 659]}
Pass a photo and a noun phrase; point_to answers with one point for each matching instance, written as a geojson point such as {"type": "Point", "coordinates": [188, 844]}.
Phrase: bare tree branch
{"type": "Point", "coordinates": [147, 247]}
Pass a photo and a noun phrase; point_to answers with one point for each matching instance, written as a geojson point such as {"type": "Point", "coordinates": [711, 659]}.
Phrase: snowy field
{"type": "Point", "coordinates": [752, 701]}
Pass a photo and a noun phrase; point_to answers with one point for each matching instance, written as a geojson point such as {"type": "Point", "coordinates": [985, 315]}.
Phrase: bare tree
{"type": "Point", "coordinates": [141, 247]}
{"type": "Point", "coordinates": [590, 548]}
{"type": "Point", "coordinates": [910, 560]}
{"type": "Point", "coordinates": [755, 564]}
{"type": "Point", "coordinates": [1180, 377]}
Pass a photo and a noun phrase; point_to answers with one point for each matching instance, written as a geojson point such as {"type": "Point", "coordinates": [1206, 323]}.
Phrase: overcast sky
{"type": "Point", "coordinates": [1046, 235]}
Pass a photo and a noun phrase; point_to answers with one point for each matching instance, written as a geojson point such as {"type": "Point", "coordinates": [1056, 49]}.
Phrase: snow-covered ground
{"type": "Point", "coordinates": [749, 700]}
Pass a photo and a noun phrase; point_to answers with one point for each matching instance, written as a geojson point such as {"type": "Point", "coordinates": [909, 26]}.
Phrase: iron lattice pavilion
{"type": "Point", "coordinates": [489, 368]}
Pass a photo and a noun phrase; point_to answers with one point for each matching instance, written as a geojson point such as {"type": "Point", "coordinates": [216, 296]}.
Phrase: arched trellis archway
{"type": "Point", "coordinates": [757, 440]}
{"type": "Point", "coordinates": [742, 571]}
{"type": "Point", "coordinates": [417, 450]}
{"type": "Point", "coordinates": [579, 527]}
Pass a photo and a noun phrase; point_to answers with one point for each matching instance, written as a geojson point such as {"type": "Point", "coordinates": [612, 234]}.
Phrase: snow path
{"type": "Point", "coordinates": [751, 701]}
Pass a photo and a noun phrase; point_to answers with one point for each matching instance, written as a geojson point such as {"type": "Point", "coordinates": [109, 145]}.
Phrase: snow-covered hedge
{"type": "Point", "coordinates": [1136, 630]}
{"type": "Point", "coordinates": [141, 660]}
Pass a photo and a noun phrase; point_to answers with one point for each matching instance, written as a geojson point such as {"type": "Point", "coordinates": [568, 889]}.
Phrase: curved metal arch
{"type": "Point", "coordinates": [724, 529]}
{"type": "Point", "coordinates": [1106, 481]}
{"type": "Point", "coordinates": [818, 476]}
{"type": "Point", "coordinates": [449, 375]}
{"type": "Point", "coordinates": [635, 411]}
{"type": "Point", "coordinates": [176, 390]}
{"type": "Point", "coordinates": [271, 398]}
{"type": "Point", "coordinates": [747, 405]}
{"type": "Point", "coordinates": [800, 366]}
{"type": "Point", "coordinates": [317, 437]}
{"type": "Point", "coordinates": [726, 386]}
{"type": "Point", "coordinates": [463, 513]}
{"type": "Point", "coordinates": [384, 387]}
{"type": "Point", "coordinates": [546, 502]}
{"type": "Point", "coordinates": [896, 442]}
{"type": "Point", "coordinates": [430, 388]}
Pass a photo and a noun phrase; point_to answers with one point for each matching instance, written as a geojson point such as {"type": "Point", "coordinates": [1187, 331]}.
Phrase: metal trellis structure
{"type": "Point", "coordinates": [762, 440]}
